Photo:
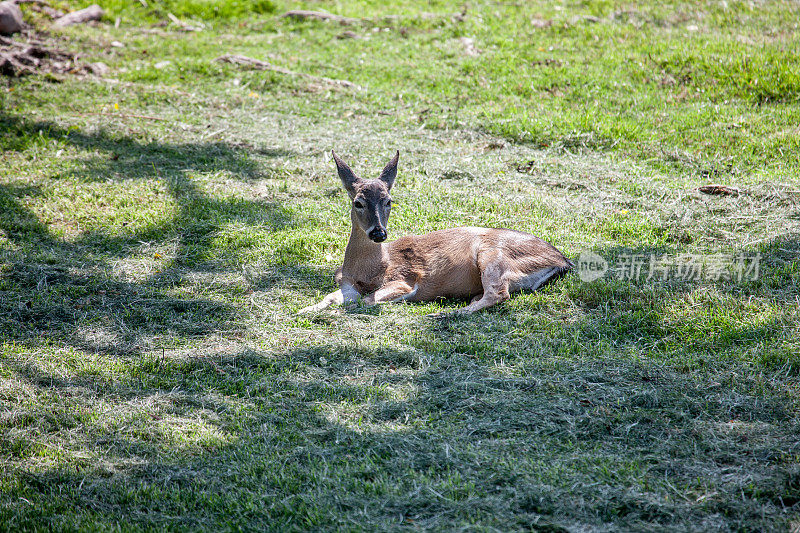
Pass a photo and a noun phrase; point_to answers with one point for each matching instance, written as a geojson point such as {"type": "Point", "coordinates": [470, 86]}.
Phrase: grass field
{"type": "Point", "coordinates": [161, 225]}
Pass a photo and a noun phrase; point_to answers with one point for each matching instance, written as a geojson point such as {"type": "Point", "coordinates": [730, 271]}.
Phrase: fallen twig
{"type": "Point", "coordinates": [263, 65]}
{"type": "Point", "coordinates": [303, 14]}
{"type": "Point", "coordinates": [93, 12]}
{"type": "Point", "coordinates": [213, 133]}
{"type": "Point", "coordinates": [183, 25]}
{"type": "Point", "coordinates": [715, 188]}
{"type": "Point", "coordinates": [160, 89]}
{"type": "Point", "coordinates": [121, 115]}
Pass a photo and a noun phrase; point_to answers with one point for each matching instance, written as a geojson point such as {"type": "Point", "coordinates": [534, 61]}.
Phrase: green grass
{"type": "Point", "coordinates": [160, 228]}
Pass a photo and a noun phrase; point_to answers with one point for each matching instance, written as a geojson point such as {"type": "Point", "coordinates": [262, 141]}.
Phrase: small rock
{"type": "Point", "coordinates": [117, 44]}
{"type": "Point", "coordinates": [537, 22]}
{"type": "Point", "coordinates": [584, 18]}
{"type": "Point", "coordinates": [495, 145]}
{"type": "Point", "coordinates": [460, 17]}
{"type": "Point", "coordinates": [99, 68]}
{"type": "Point", "coordinates": [469, 46]}
{"type": "Point", "coordinates": [162, 64]}
{"type": "Point", "coordinates": [10, 18]}
{"type": "Point", "coordinates": [347, 35]}
{"type": "Point", "coordinates": [667, 80]}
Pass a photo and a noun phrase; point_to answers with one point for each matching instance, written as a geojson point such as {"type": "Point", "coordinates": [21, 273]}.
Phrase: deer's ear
{"type": "Point", "coordinates": [345, 174]}
{"type": "Point", "coordinates": [390, 172]}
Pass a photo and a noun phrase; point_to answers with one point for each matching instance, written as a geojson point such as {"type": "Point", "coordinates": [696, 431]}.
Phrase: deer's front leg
{"type": "Point", "coordinates": [394, 291]}
{"type": "Point", "coordinates": [346, 294]}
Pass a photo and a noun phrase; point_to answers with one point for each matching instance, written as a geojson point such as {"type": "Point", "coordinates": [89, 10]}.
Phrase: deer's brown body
{"type": "Point", "coordinates": [487, 264]}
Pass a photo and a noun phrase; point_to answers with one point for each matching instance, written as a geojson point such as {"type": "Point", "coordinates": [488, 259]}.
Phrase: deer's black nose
{"type": "Point", "coordinates": [377, 235]}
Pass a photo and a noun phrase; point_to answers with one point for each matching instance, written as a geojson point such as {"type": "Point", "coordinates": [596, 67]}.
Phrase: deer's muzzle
{"type": "Point", "coordinates": [377, 235]}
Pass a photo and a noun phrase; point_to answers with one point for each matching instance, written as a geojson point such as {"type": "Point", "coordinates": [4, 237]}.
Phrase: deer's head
{"type": "Point", "coordinates": [370, 199]}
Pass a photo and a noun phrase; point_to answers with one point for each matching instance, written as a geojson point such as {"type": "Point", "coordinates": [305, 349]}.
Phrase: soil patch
{"type": "Point", "coordinates": [34, 54]}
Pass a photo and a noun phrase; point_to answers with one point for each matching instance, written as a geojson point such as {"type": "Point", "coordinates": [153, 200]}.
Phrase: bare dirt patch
{"type": "Point", "coordinates": [37, 54]}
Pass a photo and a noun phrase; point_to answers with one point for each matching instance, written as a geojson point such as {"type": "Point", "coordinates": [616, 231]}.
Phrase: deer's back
{"type": "Point", "coordinates": [449, 262]}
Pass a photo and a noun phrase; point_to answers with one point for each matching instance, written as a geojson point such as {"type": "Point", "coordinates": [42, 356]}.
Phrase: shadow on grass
{"type": "Point", "coordinates": [291, 276]}
{"type": "Point", "coordinates": [63, 289]}
{"type": "Point", "coordinates": [120, 157]}
{"type": "Point", "coordinates": [505, 420]}
{"type": "Point", "coordinates": [340, 434]}
{"type": "Point", "coordinates": [333, 435]}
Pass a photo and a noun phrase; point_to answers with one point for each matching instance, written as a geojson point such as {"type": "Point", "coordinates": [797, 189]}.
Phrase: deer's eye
{"type": "Point", "coordinates": [358, 204]}
{"type": "Point", "coordinates": [389, 203]}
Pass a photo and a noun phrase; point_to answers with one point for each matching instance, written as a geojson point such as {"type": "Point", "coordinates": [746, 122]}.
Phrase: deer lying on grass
{"type": "Point", "coordinates": [486, 264]}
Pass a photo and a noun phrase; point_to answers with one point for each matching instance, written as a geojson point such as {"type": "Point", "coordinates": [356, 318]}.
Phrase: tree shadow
{"type": "Point", "coordinates": [18, 223]}
{"type": "Point", "coordinates": [291, 277]}
{"type": "Point", "coordinates": [64, 288]}
{"type": "Point", "coordinates": [505, 420]}
{"type": "Point", "coordinates": [115, 156]}
{"type": "Point", "coordinates": [486, 431]}
{"type": "Point", "coordinates": [277, 444]}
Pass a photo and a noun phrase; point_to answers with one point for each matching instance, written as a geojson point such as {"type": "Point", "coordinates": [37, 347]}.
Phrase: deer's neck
{"type": "Point", "coordinates": [362, 251]}
{"type": "Point", "coordinates": [363, 258]}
